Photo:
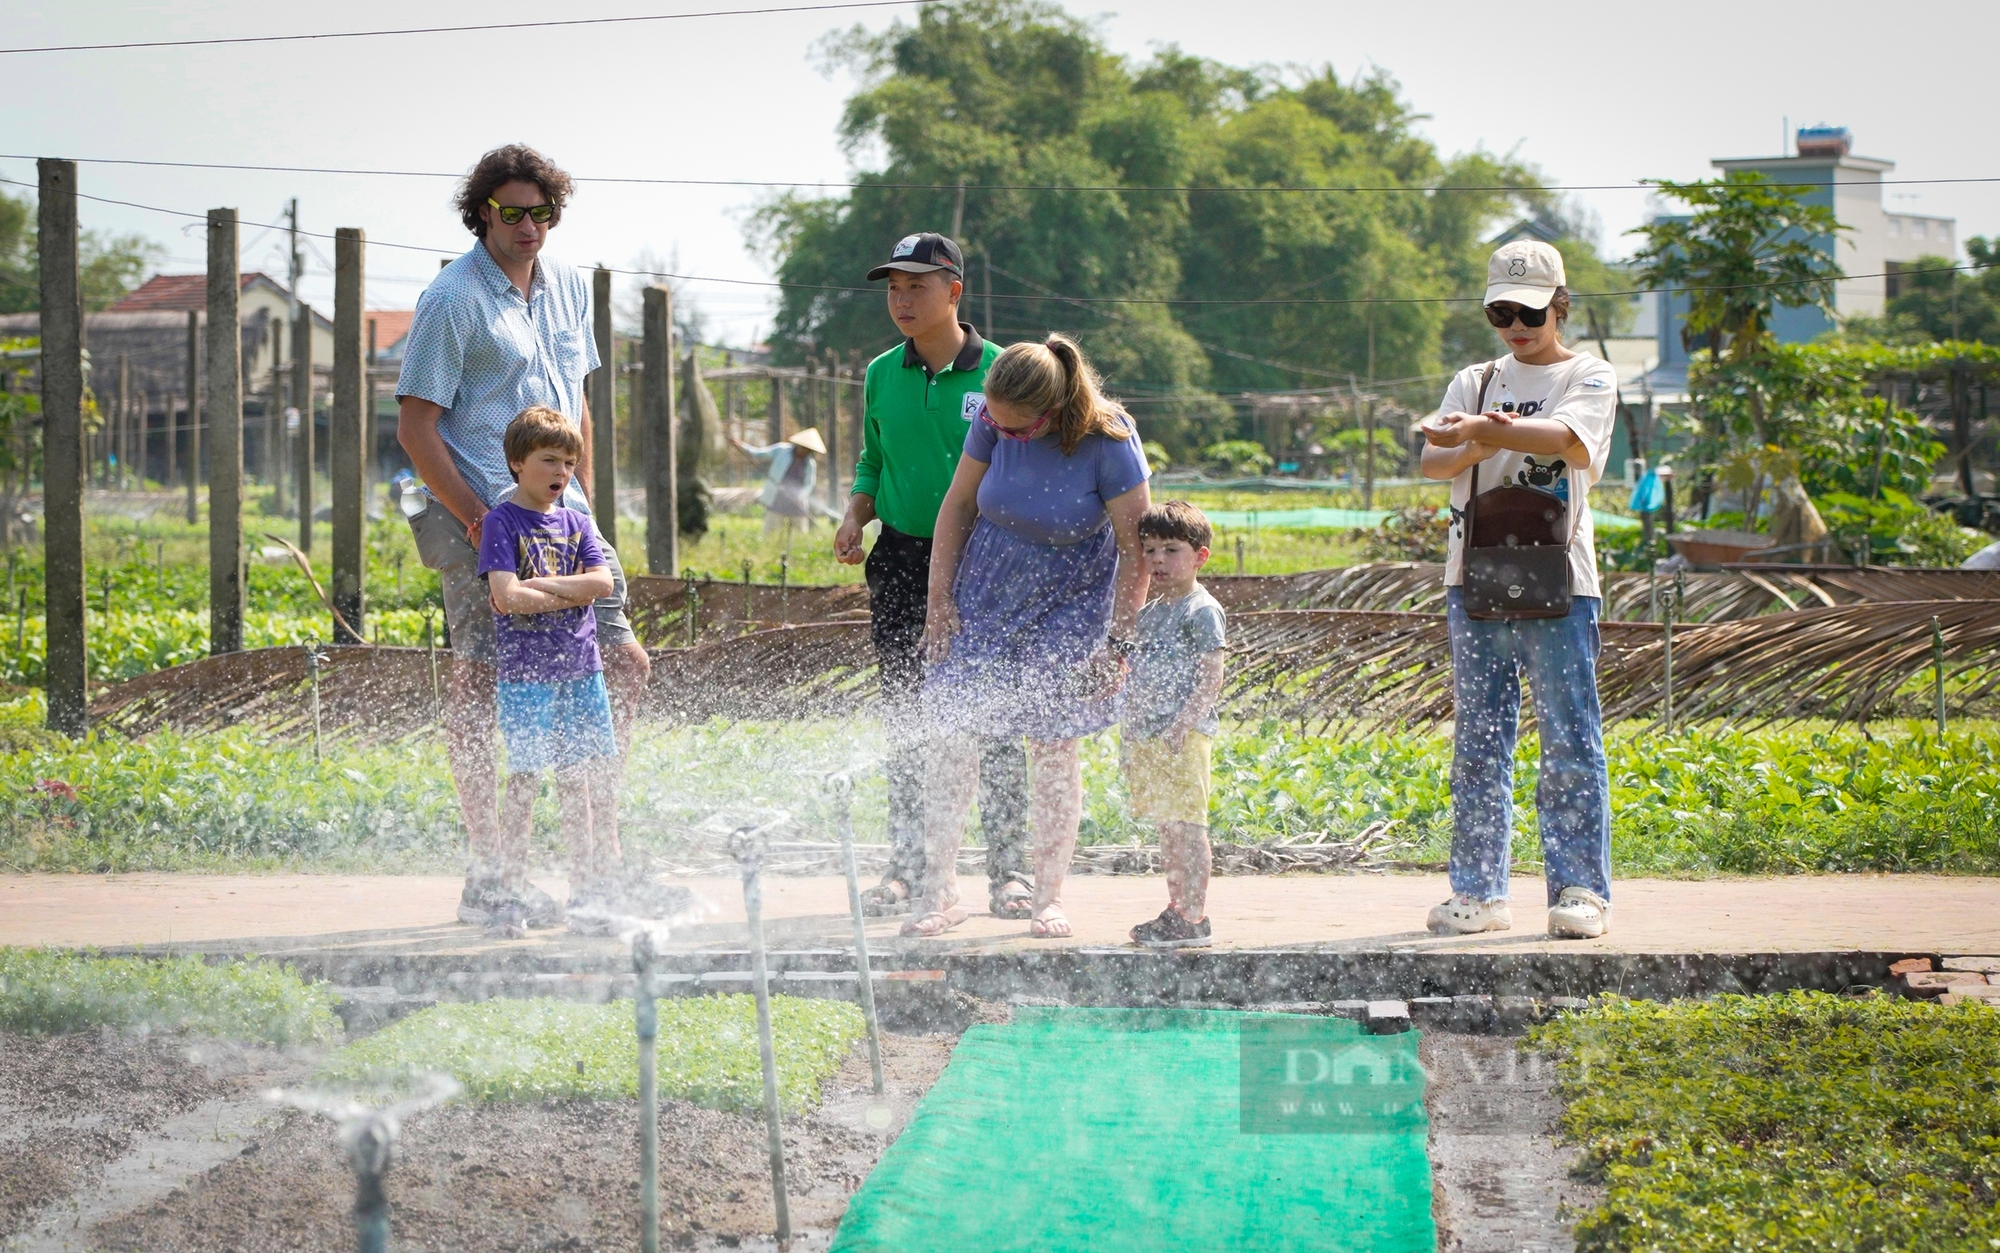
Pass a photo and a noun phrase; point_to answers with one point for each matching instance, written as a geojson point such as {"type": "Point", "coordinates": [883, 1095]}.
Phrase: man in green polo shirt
{"type": "Point", "coordinates": [919, 398]}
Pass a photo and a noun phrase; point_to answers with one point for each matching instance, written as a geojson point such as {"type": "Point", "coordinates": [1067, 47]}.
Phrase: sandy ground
{"type": "Point", "coordinates": [1805, 913]}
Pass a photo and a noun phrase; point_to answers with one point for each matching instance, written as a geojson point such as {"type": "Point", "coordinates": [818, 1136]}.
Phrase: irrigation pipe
{"type": "Point", "coordinates": [843, 804]}
{"type": "Point", "coordinates": [647, 1009]}
{"type": "Point", "coordinates": [747, 845]}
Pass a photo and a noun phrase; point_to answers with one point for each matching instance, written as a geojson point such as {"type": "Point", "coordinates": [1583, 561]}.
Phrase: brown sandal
{"type": "Point", "coordinates": [889, 897]}
{"type": "Point", "coordinates": [930, 925]}
{"type": "Point", "coordinates": [1012, 900]}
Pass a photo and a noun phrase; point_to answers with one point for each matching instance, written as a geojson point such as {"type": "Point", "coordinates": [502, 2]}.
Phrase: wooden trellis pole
{"type": "Point", "coordinates": [226, 601]}
{"type": "Point", "coordinates": [603, 413]}
{"type": "Point", "coordinates": [346, 435]}
{"type": "Point", "coordinates": [656, 432]}
{"type": "Point", "coordinates": [63, 447]}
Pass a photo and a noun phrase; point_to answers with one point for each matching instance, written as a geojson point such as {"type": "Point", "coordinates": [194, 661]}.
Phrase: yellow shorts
{"type": "Point", "coordinates": [1167, 786]}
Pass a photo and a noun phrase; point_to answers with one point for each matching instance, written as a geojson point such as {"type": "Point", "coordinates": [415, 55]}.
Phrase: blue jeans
{"type": "Point", "coordinates": [1573, 796]}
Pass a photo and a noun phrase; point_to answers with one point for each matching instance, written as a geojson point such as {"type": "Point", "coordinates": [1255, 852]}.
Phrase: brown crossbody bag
{"type": "Point", "coordinates": [1516, 555]}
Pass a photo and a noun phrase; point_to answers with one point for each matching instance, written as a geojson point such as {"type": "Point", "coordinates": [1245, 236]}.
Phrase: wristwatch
{"type": "Point", "coordinates": [1121, 648]}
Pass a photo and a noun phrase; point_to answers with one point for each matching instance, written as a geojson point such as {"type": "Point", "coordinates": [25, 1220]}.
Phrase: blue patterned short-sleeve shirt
{"type": "Point", "coordinates": [483, 353]}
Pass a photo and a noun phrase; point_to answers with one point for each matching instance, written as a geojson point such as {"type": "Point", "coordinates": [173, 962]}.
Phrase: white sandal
{"type": "Point", "coordinates": [1466, 915]}
{"type": "Point", "coordinates": [1579, 914]}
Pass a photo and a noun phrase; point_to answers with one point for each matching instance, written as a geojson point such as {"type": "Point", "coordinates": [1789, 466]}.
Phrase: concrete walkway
{"type": "Point", "coordinates": [1829, 913]}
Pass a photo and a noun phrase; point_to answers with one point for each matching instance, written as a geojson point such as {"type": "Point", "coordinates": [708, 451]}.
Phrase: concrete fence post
{"type": "Point", "coordinates": [63, 448]}
{"type": "Point", "coordinates": [346, 435]}
{"type": "Point", "coordinates": [656, 432]}
{"type": "Point", "coordinates": [302, 397]}
{"type": "Point", "coordinates": [603, 413]}
{"type": "Point", "coordinates": [226, 592]}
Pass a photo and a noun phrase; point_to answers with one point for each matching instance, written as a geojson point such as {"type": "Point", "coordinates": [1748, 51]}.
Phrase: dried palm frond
{"type": "Point", "coordinates": [821, 670]}
{"type": "Point", "coordinates": [1351, 667]}
{"type": "Point", "coordinates": [378, 691]}
{"type": "Point", "coordinates": [1839, 662]}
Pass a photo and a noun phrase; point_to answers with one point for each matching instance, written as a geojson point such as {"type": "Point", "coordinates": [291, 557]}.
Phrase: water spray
{"type": "Point", "coordinates": [843, 801]}
{"type": "Point", "coordinates": [368, 1141]}
{"type": "Point", "coordinates": [748, 846]}
{"type": "Point", "coordinates": [430, 650]}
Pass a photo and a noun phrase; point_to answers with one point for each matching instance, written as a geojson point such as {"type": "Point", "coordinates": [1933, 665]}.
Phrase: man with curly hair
{"type": "Point", "coordinates": [501, 330]}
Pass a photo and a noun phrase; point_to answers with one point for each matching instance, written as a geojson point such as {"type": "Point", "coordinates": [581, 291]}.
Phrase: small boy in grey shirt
{"type": "Point", "coordinates": [1170, 716]}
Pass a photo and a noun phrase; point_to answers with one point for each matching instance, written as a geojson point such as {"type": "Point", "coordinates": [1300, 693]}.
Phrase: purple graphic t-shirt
{"type": "Point", "coordinates": [542, 647]}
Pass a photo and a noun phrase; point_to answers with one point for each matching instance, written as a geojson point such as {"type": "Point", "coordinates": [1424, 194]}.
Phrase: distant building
{"type": "Point", "coordinates": [1874, 248]}
{"type": "Point", "coordinates": [263, 309]}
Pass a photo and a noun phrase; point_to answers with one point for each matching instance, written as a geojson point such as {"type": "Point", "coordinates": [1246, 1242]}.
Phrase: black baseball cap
{"type": "Point", "coordinates": [920, 254]}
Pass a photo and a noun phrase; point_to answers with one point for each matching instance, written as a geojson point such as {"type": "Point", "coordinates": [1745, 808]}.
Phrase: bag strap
{"type": "Point", "coordinates": [1478, 406]}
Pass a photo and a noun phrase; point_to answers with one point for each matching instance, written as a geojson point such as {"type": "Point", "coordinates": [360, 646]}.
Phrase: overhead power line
{"type": "Point", "coordinates": [1171, 301]}
{"type": "Point", "coordinates": [1643, 184]}
{"type": "Point", "coordinates": [453, 30]}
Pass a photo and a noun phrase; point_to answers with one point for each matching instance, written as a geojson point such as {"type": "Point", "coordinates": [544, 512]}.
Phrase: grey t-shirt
{"type": "Point", "coordinates": [1173, 634]}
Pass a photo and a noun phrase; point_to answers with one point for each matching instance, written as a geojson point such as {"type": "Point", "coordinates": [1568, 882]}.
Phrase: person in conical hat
{"type": "Point", "coordinates": [788, 483]}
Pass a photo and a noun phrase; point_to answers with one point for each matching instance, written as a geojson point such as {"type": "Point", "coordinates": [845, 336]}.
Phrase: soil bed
{"type": "Point", "coordinates": [559, 1175]}
{"type": "Point", "coordinates": [70, 1105]}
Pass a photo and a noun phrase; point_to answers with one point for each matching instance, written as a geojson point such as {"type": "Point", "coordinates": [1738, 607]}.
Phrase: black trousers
{"type": "Point", "coordinates": [899, 574]}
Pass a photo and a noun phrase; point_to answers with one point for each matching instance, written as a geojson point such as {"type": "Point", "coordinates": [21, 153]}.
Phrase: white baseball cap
{"type": "Point", "coordinates": [1525, 272]}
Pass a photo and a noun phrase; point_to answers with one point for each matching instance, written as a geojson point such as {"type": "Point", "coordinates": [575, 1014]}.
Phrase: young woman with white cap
{"type": "Point", "coordinates": [1522, 439]}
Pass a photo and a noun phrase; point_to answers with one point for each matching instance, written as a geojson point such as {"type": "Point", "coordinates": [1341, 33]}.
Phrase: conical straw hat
{"type": "Point", "coordinates": [809, 440]}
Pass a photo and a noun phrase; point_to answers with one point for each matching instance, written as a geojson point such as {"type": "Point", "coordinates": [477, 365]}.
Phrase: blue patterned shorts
{"type": "Point", "coordinates": [551, 726]}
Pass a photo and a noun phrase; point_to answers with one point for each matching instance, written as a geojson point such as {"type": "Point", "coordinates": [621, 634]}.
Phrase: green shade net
{"type": "Point", "coordinates": [1114, 1130]}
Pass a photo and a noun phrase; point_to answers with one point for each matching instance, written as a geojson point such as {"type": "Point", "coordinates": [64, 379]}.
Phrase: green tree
{"type": "Point", "coordinates": [1748, 248]}
{"type": "Point", "coordinates": [1940, 302]}
{"type": "Point", "coordinates": [1182, 179]}
{"type": "Point", "coordinates": [108, 266]}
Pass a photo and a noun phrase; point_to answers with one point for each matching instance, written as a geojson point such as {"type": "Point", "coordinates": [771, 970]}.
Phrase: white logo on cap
{"type": "Point", "coordinates": [1517, 268]}
{"type": "Point", "coordinates": [906, 246]}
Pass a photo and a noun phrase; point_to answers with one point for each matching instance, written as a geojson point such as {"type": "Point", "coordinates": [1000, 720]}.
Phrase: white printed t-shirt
{"type": "Point", "coordinates": [1582, 394]}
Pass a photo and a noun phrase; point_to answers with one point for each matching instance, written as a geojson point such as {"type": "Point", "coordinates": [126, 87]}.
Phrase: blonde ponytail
{"type": "Point", "coordinates": [1055, 377]}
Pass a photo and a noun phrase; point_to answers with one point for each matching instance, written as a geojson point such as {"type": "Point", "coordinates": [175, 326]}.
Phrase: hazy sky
{"type": "Point", "coordinates": [1594, 94]}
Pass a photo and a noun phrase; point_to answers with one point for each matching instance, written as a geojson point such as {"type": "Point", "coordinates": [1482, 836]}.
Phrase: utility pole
{"type": "Point", "coordinates": [272, 458]}
{"type": "Point", "coordinates": [194, 415]}
{"type": "Point", "coordinates": [958, 212]}
{"type": "Point", "coordinates": [603, 413]}
{"type": "Point", "coordinates": [63, 451]}
{"type": "Point", "coordinates": [302, 398]}
{"type": "Point", "coordinates": [986, 269]}
{"type": "Point", "coordinates": [656, 433]}
{"type": "Point", "coordinates": [225, 438]}
{"type": "Point", "coordinates": [348, 420]}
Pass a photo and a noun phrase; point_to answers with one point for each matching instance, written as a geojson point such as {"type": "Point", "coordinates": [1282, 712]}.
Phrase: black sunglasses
{"type": "Point", "coordinates": [512, 214]}
{"type": "Point", "coordinates": [1504, 316]}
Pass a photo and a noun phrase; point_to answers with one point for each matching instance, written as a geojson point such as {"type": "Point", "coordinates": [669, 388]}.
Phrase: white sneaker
{"type": "Point", "coordinates": [1579, 914]}
{"type": "Point", "coordinates": [1465, 915]}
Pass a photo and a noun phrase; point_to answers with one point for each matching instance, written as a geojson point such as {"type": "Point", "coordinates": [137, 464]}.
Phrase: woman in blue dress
{"type": "Point", "coordinates": [1036, 583]}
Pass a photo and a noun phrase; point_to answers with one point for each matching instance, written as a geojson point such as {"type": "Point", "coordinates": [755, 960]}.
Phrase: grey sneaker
{"type": "Point", "coordinates": [654, 902]}
{"type": "Point", "coordinates": [528, 908]}
{"type": "Point", "coordinates": [591, 912]}
{"type": "Point", "coordinates": [1579, 914]}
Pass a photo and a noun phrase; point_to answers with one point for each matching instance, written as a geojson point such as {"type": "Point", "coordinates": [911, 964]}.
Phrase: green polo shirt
{"type": "Point", "coordinates": [913, 429]}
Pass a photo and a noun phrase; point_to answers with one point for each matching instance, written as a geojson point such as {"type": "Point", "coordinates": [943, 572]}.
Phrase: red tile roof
{"type": "Point", "coordinates": [175, 291]}
{"type": "Point", "coordinates": [390, 325]}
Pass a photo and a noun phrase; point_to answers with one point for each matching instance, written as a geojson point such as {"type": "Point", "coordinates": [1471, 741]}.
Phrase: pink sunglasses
{"type": "Point", "coordinates": [1041, 424]}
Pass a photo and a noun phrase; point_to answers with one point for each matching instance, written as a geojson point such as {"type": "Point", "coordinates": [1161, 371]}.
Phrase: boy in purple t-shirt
{"type": "Point", "coordinates": [545, 568]}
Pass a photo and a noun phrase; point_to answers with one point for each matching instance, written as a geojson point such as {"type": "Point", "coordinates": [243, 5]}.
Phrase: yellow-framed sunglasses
{"type": "Point", "coordinates": [512, 214]}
